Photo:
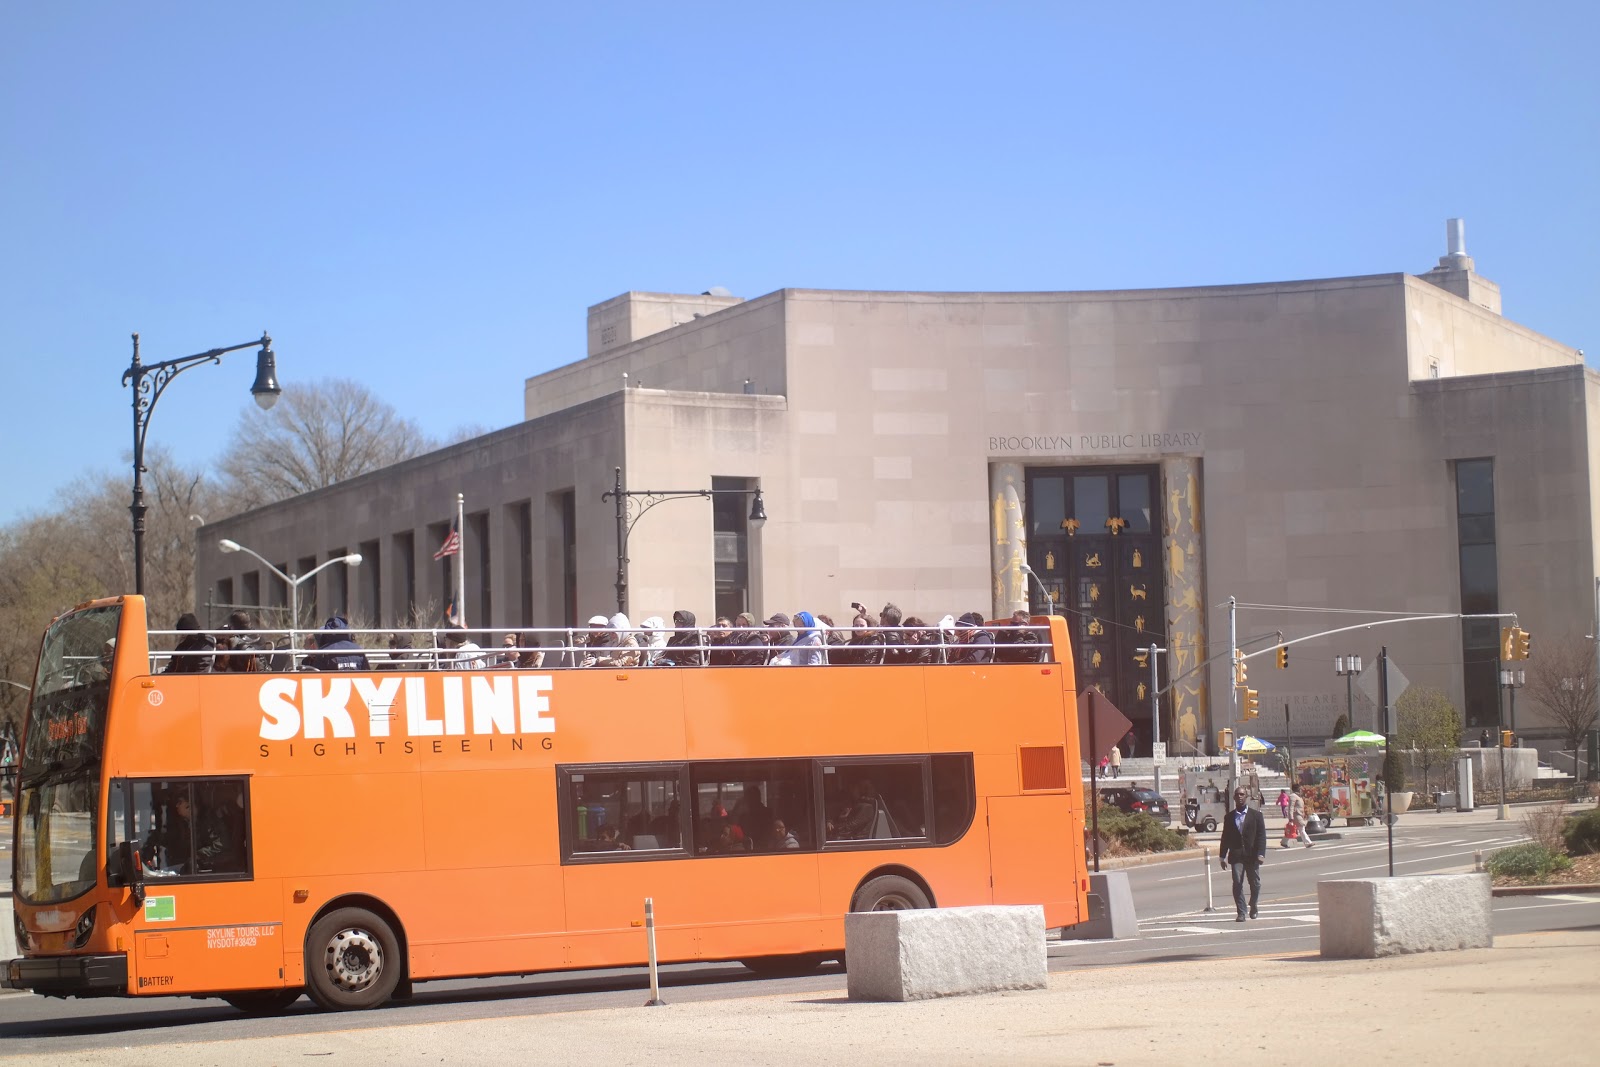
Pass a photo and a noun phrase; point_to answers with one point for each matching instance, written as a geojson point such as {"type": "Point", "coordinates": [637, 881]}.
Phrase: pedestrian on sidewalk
{"type": "Point", "coordinates": [1283, 802]}
{"type": "Point", "coordinates": [1244, 845]}
{"type": "Point", "coordinates": [1296, 826]}
{"type": "Point", "coordinates": [1116, 762]}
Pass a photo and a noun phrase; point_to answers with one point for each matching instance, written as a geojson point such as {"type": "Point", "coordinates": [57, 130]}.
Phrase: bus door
{"type": "Point", "coordinates": [1031, 854]}
{"type": "Point", "coordinates": [204, 923]}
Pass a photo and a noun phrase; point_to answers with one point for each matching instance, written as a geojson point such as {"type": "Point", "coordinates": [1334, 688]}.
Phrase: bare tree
{"type": "Point", "coordinates": [1563, 677]}
{"type": "Point", "coordinates": [315, 436]}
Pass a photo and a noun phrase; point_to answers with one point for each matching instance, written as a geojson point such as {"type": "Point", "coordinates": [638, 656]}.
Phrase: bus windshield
{"type": "Point", "coordinates": [58, 792]}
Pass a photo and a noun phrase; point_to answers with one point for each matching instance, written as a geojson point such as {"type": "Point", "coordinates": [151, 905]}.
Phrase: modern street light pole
{"type": "Point", "coordinates": [633, 503]}
{"type": "Point", "coordinates": [1347, 667]}
{"type": "Point", "coordinates": [1155, 712]}
{"type": "Point", "coordinates": [353, 559]}
{"type": "Point", "coordinates": [148, 381]}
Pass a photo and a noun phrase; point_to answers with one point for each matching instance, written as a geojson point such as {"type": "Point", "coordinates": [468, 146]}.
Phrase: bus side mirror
{"type": "Point", "coordinates": [127, 869]}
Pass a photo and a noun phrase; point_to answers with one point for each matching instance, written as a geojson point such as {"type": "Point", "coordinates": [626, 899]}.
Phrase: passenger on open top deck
{"type": "Point", "coordinates": [684, 646]}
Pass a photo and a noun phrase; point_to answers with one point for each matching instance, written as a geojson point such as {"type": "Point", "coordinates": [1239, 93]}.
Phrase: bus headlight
{"type": "Point", "coordinates": [85, 927]}
{"type": "Point", "coordinates": [24, 939]}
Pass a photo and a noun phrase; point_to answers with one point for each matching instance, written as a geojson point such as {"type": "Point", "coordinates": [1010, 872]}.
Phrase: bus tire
{"type": "Point", "coordinates": [790, 966]}
{"type": "Point", "coordinates": [352, 960]}
{"type": "Point", "coordinates": [890, 892]}
{"type": "Point", "coordinates": [263, 1001]}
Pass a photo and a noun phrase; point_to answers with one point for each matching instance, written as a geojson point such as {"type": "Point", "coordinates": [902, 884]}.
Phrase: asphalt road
{"type": "Point", "coordinates": [1169, 897]}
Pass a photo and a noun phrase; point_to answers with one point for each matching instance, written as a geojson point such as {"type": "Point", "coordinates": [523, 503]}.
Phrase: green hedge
{"type": "Point", "coordinates": [1527, 860]}
{"type": "Point", "coordinates": [1138, 832]}
{"type": "Point", "coordinates": [1582, 834]}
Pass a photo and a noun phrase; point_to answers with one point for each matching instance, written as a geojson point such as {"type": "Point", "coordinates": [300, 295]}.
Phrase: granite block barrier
{"type": "Point", "coordinates": [944, 952]}
{"type": "Point", "coordinates": [1366, 918]}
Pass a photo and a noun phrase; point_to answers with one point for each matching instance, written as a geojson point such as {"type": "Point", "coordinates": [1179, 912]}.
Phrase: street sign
{"type": "Point", "coordinates": [1100, 724]}
{"type": "Point", "coordinates": [1158, 753]}
{"type": "Point", "coordinates": [1367, 682]}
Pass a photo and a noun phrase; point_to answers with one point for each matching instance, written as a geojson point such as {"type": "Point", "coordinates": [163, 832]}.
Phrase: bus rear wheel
{"type": "Point", "coordinates": [352, 960]}
{"type": "Point", "coordinates": [791, 966]}
{"type": "Point", "coordinates": [890, 892]}
{"type": "Point", "coordinates": [263, 1001]}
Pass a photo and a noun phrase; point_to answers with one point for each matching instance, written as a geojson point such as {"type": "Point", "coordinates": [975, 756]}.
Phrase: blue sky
{"type": "Point", "coordinates": [426, 197]}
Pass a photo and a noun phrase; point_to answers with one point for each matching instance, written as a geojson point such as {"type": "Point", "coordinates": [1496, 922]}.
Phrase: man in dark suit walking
{"type": "Point", "coordinates": [1244, 845]}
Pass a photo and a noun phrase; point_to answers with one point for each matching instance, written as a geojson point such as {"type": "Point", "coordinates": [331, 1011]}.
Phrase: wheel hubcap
{"type": "Point", "coordinates": [892, 902]}
{"type": "Point", "coordinates": [354, 959]}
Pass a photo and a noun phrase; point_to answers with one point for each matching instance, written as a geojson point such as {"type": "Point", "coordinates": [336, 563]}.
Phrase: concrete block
{"type": "Point", "coordinates": [944, 952]}
{"type": "Point", "coordinates": [1365, 918]}
{"type": "Point", "coordinates": [1111, 912]}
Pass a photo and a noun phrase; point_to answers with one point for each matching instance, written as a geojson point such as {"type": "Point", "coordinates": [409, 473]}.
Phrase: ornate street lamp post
{"type": "Point", "coordinates": [633, 503]}
{"type": "Point", "coordinates": [148, 380]}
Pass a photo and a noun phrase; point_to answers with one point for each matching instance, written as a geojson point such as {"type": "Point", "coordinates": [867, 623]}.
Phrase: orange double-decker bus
{"type": "Point", "coordinates": [257, 835]}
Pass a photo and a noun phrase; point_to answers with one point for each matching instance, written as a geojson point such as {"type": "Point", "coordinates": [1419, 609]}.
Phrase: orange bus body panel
{"type": "Point", "coordinates": [401, 789]}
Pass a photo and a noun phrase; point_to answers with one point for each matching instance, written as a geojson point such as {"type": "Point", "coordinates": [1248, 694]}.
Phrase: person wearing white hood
{"type": "Point", "coordinates": [653, 640]}
{"type": "Point", "coordinates": [627, 654]}
{"type": "Point", "coordinates": [807, 649]}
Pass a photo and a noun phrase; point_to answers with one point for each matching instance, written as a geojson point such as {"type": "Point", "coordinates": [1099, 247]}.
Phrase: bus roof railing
{"type": "Point", "coordinates": [390, 648]}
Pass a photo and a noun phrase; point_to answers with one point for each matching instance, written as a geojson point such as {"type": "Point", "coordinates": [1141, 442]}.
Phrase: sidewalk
{"type": "Point", "coordinates": [1528, 1000]}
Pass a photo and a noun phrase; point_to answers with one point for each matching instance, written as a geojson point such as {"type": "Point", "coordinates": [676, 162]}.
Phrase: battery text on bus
{"type": "Point", "coordinates": [437, 706]}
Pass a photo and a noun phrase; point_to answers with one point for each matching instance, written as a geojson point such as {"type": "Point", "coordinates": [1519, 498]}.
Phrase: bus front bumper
{"type": "Point", "coordinates": [68, 976]}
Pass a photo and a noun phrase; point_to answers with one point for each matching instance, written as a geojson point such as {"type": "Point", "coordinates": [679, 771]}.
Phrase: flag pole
{"type": "Point", "coordinates": [461, 559]}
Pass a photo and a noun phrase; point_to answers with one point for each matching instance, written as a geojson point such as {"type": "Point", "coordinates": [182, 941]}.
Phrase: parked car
{"type": "Point", "coordinates": [1138, 799]}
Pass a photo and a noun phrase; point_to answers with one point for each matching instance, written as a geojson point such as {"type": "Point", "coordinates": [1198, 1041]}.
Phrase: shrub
{"type": "Point", "coordinates": [1544, 824]}
{"type": "Point", "coordinates": [1582, 834]}
{"type": "Point", "coordinates": [1394, 771]}
{"type": "Point", "coordinates": [1138, 832]}
{"type": "Point", "coordinates": [1527, 860]}
{"type": "Point", "coordinates": [1341, 725]}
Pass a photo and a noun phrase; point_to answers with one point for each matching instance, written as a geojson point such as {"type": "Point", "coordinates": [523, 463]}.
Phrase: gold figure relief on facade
{"type": "Point", "coordinates": [1095, 660]}
{"type": "Point", "coordinates": [1115, 525]}
{"type": "Point", "coordinates": [1142, 659]}
{"type": "Point", "coordinates": [1138, 558]}
{"type": "Point", "coordinates": [1094, 593]}
{"type": "Point", "coordinates": [1050, 560]}
{"type": "Point", "coordinates": [1138, 623]}
{"type": "Point", "coordinates": [1141, 689]}
{"type": "Point", "coordinates": [1092, 560]}
{"type": "Point", "coordinates": [1096, 629]}
{"type": "Point", "coordinates": [1070, 525]}
{"type": "Point", "coordinates": [1138, 592]}
{"type": "Point", "coordinates": [1000, 519]}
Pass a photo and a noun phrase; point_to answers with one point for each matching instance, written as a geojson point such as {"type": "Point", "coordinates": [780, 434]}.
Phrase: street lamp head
{"type": "Point", "coordinates": [266, 389]}
{"type": "Point", "coordinates": [758, 510]}
{"type": "Point", "coordinates": [353, 559]}
{"type": "Point", "coordinates": [227, 545]}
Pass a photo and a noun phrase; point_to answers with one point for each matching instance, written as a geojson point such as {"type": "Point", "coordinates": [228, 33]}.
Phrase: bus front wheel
{"type": "Point", "coordinates": [352, 960]}
{"type": "Point", "coordinates": [890, 892]}
{"type": "Point", "coordinates": [263, 1001]}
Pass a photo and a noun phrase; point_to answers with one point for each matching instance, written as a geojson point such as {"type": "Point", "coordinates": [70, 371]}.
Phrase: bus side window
{"type": "Point", "coordinates": [192, 828]}
{"type": "Point", "coordinates": [874, 801]}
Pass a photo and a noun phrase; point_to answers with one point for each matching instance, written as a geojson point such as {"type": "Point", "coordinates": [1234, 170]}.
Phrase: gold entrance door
{"type": "Point", "coordinates": [1095, 541]}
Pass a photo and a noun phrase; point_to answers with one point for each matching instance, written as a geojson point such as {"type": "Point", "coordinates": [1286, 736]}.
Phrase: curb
{"type": "Point", "coordinates": [1120, 862]}
{"type": "Point", "coordinates": [1540, 890]}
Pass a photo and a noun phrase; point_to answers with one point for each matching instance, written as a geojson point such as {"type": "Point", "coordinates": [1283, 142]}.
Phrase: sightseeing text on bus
{"type": "Point", "coordinates": [444, 712]}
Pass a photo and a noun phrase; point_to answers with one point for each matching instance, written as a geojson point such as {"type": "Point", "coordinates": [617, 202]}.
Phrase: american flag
{"type": "Point", "coordinates": [452, 543]}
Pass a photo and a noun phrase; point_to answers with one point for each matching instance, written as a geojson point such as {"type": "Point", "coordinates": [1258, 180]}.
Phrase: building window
{"type": "Point", "coordinates": [369, 580]}
{"type": "Point", "coordinates": [566, 507]}
{"type": "Point", "coordinates": [730, 523]}
{"type": "Point", "coordinates": [1480, 591]}
{"type": "Point", "coordinates": [478, 538]}
{"type": "Point", "coordinates": [405, 579]}
{"type": "Point", "coordinates": [520, 517]}
{"type": "Point", "coordinates": [340, 577]}
{"type": "Point", "coordinates": [308, 592]}
{"type": "Point", "coordinates": [252, 588]}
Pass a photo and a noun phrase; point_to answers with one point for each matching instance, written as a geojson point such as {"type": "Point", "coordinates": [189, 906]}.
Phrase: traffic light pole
{"type": "Point", "coordinates": [1233, 701]}
{"type": "Point", "coordinates": [1155, 712]}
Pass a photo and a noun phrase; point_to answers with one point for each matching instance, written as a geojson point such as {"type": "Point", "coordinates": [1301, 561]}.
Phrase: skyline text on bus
{"type": "Point", "coordinates": [461, 706]}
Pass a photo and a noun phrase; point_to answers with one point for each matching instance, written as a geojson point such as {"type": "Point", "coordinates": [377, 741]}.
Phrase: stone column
{"type": "Point", "coordinates": [1008, 544]}
{"type": "Point", "coordinates": [1189, 721]}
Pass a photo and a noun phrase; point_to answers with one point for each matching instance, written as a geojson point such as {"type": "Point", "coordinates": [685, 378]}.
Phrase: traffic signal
{"type": "Point", "coordinates": [1241, 669]}
{"type": "Point", "coordinates": [1252, 703]}
{"type": "Point", "coordinates": [1225, 739]}
{"type": "Point", "coordinates": [1520, 641]}
{"type": "Point", "coordinates": [1283, 658]}
{"type": "Point", "coordinates": [1508, 643]}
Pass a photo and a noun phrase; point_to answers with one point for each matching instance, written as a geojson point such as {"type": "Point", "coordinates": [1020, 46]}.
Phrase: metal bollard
{"type": "Point", "coordinates": [1477, 862]}
{"type": "Point", "coordinates": [650, 939]}
{"type": "Point", "coordinates": [1205, 858]}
